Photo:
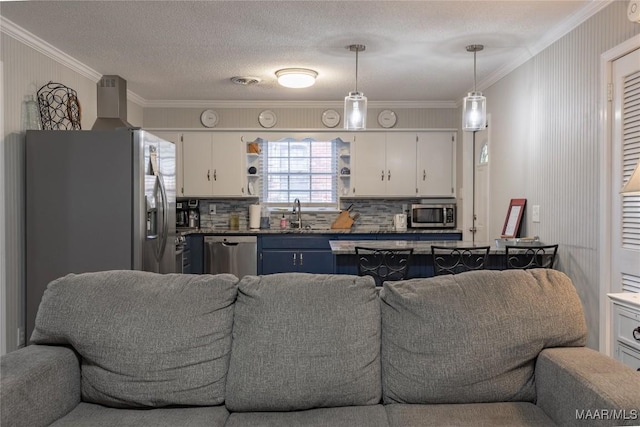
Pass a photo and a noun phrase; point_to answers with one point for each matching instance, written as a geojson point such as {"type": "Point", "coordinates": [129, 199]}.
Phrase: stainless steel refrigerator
{"type": "Point", "coordinates": [97, 200]}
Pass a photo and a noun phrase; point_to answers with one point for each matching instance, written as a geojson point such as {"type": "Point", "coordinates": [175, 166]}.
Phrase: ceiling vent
{"type": "Point", "coordinates": [245, 81]}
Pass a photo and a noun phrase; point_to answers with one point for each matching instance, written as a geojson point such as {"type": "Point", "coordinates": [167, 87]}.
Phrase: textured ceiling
{"type": "Point", "coordinates": [189, 50]}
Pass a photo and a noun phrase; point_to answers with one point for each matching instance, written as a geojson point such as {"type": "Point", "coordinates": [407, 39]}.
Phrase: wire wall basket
{"type": "Point", "coordinates": [59, 107]}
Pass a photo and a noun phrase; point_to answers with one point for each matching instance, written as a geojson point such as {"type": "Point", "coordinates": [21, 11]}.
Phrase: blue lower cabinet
{"type": "Point", "coordinates": [299, 253]}
{"type": "Point", "coordinates": [195, 242]}
{"type": "Point", "coordinates": [302, 261]}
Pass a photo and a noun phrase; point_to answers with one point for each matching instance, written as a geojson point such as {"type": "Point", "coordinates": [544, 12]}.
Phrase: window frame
{"type": "Point", "coordinates": [332, 205]}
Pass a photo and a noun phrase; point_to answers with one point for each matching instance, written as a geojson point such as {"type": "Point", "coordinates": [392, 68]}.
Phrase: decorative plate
{"type": "Point", "coordinates": [267, 119]}
{"type": "Point", "coordinates": [209, 118]}
{"type": "Point", "coordinates": [387, 119]}
{"type": "Point", "coordinates": [330, 118]}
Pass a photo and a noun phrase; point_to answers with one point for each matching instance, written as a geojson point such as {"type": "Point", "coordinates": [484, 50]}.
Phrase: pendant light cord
{"type": "Point", "coordinates": [474, 72]}
{"type": "Point", "coordinates": [356, 70]}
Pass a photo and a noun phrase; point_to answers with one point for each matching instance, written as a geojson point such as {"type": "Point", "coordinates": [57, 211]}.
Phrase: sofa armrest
{"type": "Point", "coordinates": [38, 385]}
{"type": "Point", "coordinates": [579, 386]}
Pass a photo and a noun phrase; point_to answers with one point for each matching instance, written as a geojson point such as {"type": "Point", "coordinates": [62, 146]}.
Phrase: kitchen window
{"type": "Point", "coordinates": [300, 169]}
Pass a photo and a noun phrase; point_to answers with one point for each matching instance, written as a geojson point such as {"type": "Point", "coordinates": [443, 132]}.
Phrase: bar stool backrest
{"type": "Point", "coordinates": [383, 264]}
{"type": "Point", "coordinates": [526, 257]}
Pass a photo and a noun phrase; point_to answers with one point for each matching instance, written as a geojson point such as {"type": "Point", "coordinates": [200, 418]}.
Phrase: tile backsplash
{"type": "Point", "coordinates": [373, 212]}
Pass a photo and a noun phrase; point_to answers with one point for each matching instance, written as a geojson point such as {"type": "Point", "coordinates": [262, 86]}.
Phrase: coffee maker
{"type": "Point", "coordinates": [182, 214]}
{"type": "Point", "coordinates": [187, 214]}
{"type": "Point", "coordinates": [194, 214]}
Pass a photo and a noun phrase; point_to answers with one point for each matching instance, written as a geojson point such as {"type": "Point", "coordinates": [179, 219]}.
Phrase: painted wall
{"type": "Point", "coordinates": [545, 146]}
{"type": "Point", "coordinates": [25, 70]}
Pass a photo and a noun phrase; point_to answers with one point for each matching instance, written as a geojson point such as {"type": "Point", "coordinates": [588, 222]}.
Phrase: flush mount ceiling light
{"type": "Point", "coordinates": [296, 78]}
{"type": "Point", "coordinates": [355, 104]}
{"type": "Point", "coordinates": [474, 110]}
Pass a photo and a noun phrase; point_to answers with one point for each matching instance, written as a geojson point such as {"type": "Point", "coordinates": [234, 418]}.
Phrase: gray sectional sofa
{"type": "Point", "coordinates": [487, 348]}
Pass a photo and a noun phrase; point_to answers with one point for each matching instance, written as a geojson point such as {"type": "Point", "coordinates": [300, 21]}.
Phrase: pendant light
{"type": "Point", "coordinates": [474, 109]}
{"type": "Point", "coordinates": [355, 104]}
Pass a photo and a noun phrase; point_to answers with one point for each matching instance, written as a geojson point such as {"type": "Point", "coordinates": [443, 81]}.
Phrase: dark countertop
{"type": "Point", "coordinates": [423, 247]}
{"type": "Point", "coordinates": [319, 230]}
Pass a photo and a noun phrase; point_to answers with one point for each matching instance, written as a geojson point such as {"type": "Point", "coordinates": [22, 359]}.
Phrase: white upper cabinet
{"type": "Point", "coordinates": [213, 164]}
{"type": "Point", "coordinates": [435, 164]}
{"type": "Point", "coordinates": [384, 164]}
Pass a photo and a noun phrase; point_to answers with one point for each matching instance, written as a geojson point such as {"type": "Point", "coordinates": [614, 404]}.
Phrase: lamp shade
{"type": "Point", "coordinates": [474, 112]}
{"type": "Point", "coordinates": [296, 78]}
{"type": "Point", "coordinates": [633, 184]}
{"type": "Point", "coordinates": [355, 111]}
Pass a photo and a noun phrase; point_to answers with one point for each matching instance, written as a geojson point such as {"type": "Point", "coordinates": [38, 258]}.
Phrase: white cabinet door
{"type": "Point", "coordinates": [197, 161]}
{"type": "Point", "coordinates": [228, 164]}
{"type": "Point", "coordinates": [435, 164]}
{"type": "Point", "coordinates": [176, 138]}
{"type": "Point", "coordinates": [369, 164]}
{"type": "Point", "coordinates": [400, 173]}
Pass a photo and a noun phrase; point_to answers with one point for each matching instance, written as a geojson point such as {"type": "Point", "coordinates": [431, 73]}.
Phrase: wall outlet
{"type": "Point", "coordinates": [212, 209]}
{"type": "Point", "coordinates": [20, 337]}
{"type": "Point", "coordinates": [535, 213]}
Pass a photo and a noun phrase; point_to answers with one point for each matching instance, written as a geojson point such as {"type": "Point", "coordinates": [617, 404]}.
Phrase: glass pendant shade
{"type": "Point", "coordinates": [355, 111]}
{"type": "Point", "coordinates": [474, 112]}
{"type": "Point", "coordinates": [633, 185]}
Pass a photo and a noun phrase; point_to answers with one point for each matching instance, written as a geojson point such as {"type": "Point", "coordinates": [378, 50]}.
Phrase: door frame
{"type": "Point", "coordinates": [605, 148]}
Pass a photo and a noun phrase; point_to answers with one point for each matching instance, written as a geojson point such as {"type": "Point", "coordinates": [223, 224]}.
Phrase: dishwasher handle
{"type": "Point", "coordinates": [227, 244]}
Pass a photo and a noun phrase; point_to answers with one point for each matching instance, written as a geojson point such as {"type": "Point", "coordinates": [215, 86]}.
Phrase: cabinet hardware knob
{"type": "Point", "coordinates": [389, 176]}
{"type": "Point", "coordinates": [301, 260]}
{"type": "Point", "coordinates": [636, 333]}
{"type": "Point", "coordinates": [424, 174]}
{"type": "Point", "coordinates": [294, 259]}
{"type": "Point", "coordinates": [208, 174]}
{"type": "Point", "coordinates": [215, 174]}
{"type": "Point", "coordinates": [382, 176]}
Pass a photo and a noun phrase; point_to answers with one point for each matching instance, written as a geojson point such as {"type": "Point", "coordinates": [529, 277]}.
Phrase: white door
{"type": "Point", "coordinates": [435, 164]}
{"type": "Point", "coordinates": [400, 170]}
{"type": "Point", "coordinates": [481, 185]}
{"type": "Point", "coordinates": [197, 164]}
{"type": "Point", "coordinates": [625, 213]}
{"type": "Point", "coordinates": [228, 173]}
{"type": "Point", "coordinates": [369, 164]}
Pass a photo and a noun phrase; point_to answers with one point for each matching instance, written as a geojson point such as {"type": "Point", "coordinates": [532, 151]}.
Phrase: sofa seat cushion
{"type": "Point", "coordinates": [145, 339]}
{"type": "Point", "coordinates": [508, 414]}
{"type": "Point", "coordinates": [89, 414]}
{"type": "Point", "coordinates": [474, 337]}
{"type": "Point", "coordinates": [303, 341]}
{"type": "Point", "coordinates": [346, 416]}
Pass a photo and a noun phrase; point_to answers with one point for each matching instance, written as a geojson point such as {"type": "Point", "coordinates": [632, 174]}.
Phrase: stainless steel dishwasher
{"type": "Point", "coordinates": [237, 255]}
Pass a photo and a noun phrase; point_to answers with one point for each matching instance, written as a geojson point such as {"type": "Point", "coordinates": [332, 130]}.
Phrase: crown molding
{"type": "Point", "coordinates": [56, 54]}
{"type": "Point", "coordinates": [39, 45]}
{"type": "Point", "coordinates": [291, 104]}
{"type": "Point", "coordinates": [547, 40]}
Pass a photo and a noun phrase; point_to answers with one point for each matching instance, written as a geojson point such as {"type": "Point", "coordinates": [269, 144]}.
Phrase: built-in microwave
{"type": "Point", "coordinates": [442, 215]}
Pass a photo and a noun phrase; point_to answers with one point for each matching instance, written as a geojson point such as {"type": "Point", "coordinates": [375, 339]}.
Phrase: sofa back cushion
{"type": "Point", "coordinates": [146, 340]}
{"type": "Point", "coordinates": [302, 341]}
{"type": "Point", "coordinates": [474, 337]}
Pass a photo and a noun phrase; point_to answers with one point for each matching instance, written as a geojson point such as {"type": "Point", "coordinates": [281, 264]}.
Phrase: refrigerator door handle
{"type": "Point", "coordinates": [162, 244]}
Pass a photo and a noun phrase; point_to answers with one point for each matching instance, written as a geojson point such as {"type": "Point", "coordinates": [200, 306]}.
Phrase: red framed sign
{"type": "Point", "coordinates": [514, 217]}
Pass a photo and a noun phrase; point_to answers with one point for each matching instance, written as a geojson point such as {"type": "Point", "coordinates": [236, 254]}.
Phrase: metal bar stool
{"type": "Point", "coordinates": [526, 257]}
{"type": "Point", "coordinates": [383, 264]}
{"type": "Point", "coordinates": [454, 260]}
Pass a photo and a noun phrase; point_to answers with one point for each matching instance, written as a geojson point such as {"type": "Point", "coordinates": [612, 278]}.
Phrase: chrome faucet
{"type": "Point", "coordinates": [298, 212]}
